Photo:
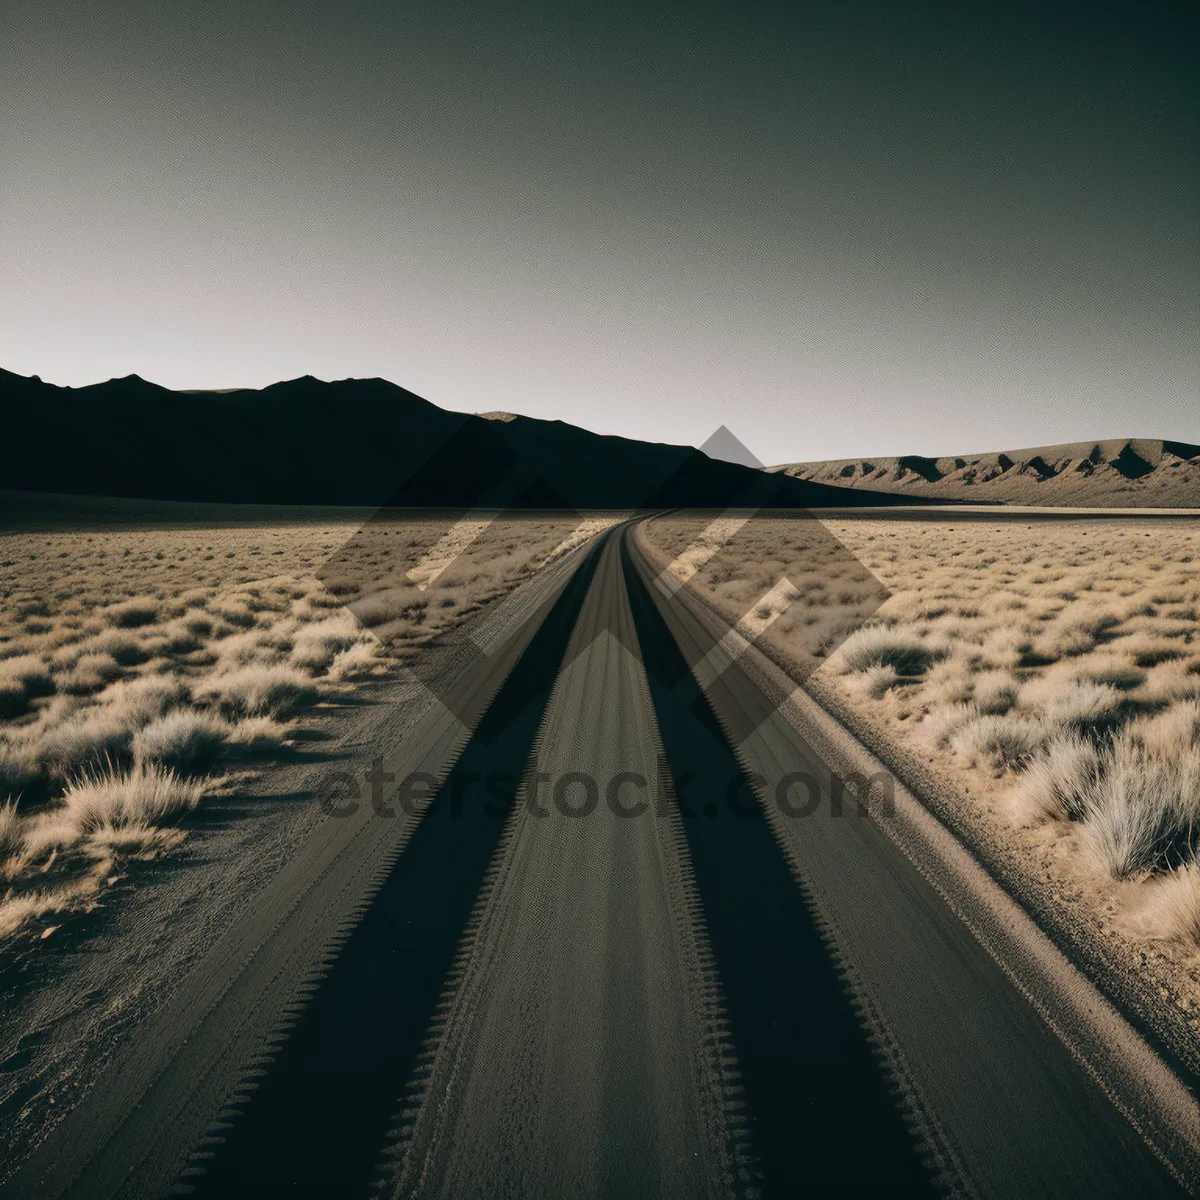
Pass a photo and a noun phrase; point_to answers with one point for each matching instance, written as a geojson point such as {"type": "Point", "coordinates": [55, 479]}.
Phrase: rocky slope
{"type": "Point", "coordinates": [1121, 473]}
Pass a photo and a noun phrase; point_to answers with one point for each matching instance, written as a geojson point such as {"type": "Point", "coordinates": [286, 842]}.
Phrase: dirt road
{"type": "Point", "coordinates": [629, 948]}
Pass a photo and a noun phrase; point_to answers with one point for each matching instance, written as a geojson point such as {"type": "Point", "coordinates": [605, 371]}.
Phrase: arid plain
{"type": "Point", "coordinates": [178, 688]}
{"type": "Point", "coordinates": [1048, 672]}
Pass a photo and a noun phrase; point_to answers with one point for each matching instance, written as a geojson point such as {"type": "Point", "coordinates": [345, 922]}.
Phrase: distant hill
{"type": "Point", "coordinates": [1122, 473]}
{"type": "Point", "coordinates": [351, 442]}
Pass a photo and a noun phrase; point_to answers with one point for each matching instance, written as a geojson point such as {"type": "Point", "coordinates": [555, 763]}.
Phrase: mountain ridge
{"type": "Point", "coordinates": [354, 442]}
{"type": "Point", "coordinates": [1110, 472]}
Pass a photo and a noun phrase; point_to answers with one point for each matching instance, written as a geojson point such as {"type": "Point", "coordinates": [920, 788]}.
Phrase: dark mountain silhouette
{"type": "Point", "coordinates": [353, 441]}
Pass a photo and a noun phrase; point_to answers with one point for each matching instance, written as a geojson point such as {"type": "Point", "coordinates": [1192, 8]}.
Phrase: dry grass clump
{"type": "Point", "coordinates": [950, 681]}
{"type": "Point", "coordinates": [142, 797]}
{"type": "Point", "coordinates": [132, 613]}
{"type": "Point", "coordinates": [261, 689]}
{"type": "Point", "coordinates": [942, 724]}
{"type": "Point", "coordinates": [89, 673]}
{"type": "Point", "coordinates": [12, 697]}
{"type": "Point", "coordinates": [1071, 631]}
{"type": "Point", "coordinates": [995, 692]}
{"type": "Point", "coordinates": [1140, 812]}
{"type": "Point", "coordinates": [258, 734]}
{"type": "Point", "coordinates": [1084, 704]}
{"type": "Point", "coordinates": [125, 647]}
{"type": "Point", "coordinates": [19, 770]}
{"type": "Point", "coordinates": [185, 741]}
{"type": "Point", "coordinates": [251, 645]}
{"type": "Point", "coordinates": [233, 611]}
{"type": "Point", "coordinates": [72, 842]}
{"type": "Point", "coordinates": [84, 739]}
{"type": "Point", "coordinates": [1008, 740]}
{"type": "Point", "coordinates": [1062, 699]}
{"type": "Point", "coordinates": [10, 830]}
{"type": "Point", "coordinates": [353, 663]}
{"type": "Point", "coordinates": [1169, 734]}
{"type": "Point", "coordinates": [1004, 648]}
{"type": "Point", "coordinates": [878, 679]}
{"type": "Point", "coordinates": [880, 646]}
{"type": "Point", "coordinates": [317, 645]}
{"type": "Point", "coordinates": [23, 677]}
{"type": "Point", "coordinates": [145, 697]}
{"type": "Point", "coordinates": [1116, 670]}
{"type": "Point", "coordinates": [1056, 779]}
{"type": "Point", "coordinates": [17, 910]}
{"type": "Point", "coordinates": [1169, 906]}
{"type": "Point", "coordinates": [388, 606]}
{"type": "Point", "coordinates": [1167, 682]}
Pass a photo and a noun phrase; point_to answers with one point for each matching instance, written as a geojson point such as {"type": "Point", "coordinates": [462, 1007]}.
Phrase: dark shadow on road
{"type": "Point", "coordinates": [317, 1121]}
{"type": "Point", "coordinates": [822, 1121]}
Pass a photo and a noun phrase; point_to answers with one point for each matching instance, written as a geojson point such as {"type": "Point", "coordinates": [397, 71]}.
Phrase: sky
{"type": "Point", "coordinates": [838, 230]}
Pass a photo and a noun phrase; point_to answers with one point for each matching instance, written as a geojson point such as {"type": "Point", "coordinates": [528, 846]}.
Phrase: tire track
{"type": "Point", "coordinates": [822, 1117]}
{"type": "Point", "coordinates": [580, 1051]}
{"type": "Point", "coordinates": [316, 1120]}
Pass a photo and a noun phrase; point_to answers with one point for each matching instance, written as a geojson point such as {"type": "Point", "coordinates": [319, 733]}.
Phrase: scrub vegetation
{"type": "Point", "coordinates": [143, 670]}
{"type": "Point", "coordinates": [1049, 670]}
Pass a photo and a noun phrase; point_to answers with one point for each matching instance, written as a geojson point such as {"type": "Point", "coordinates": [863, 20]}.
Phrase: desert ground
{"type": "Point", "coordinates": [599, 951]}
{"type": "Point", "coordinates": [1044, 672]}
{"type": "Point", "coordinates": [143, 669]}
